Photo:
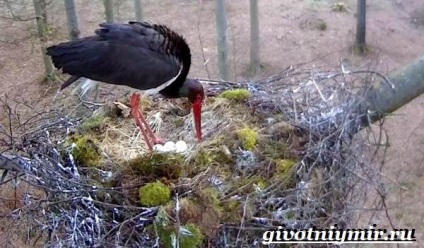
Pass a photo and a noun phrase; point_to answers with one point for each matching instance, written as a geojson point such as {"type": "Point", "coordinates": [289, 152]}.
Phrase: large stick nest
{"type": "Point", "coordinates": [306, 166]}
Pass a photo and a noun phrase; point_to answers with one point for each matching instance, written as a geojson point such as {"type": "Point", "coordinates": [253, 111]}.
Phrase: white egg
{"type": "Point", "coordinates": [181, 146]}
{"type": "Point", "coordinates": [159, 148]}
{"type": "Point", "coordinates": [170, 146]}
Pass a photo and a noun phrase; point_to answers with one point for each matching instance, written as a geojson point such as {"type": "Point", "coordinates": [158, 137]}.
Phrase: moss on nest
{"type": "Point", "coordinates": [154, 194]}
{"type": "Point", "coordinates": [232, 211]}
{"type": "Point", "coordinates": [237, 95]}
{"type": "Point", "coordinates": [285, 166]}
{"type": "Point", "coordinates": [284, 169]}
{"type": "Point", "coordinates": [210, 196]}
{"type": "Point", "coordinates": [157, 165]}
{"type": "Point", "coordinates": [192, 239]}
{"type": "Point", "coordinates": [209, 157]}
{"type": "Point", "coordinates": [203, 209]}
{"type": "Point", "coordinates": [94, 124]}
{"type": "Point", "coordinates": [248, 185]}
{"type": "Point", "coordinates": [273, 149]}
{"type": "Point", "coordinates": [189, 236]}
{"type": "Point", "coordinates": [248, 137]}
{"type": "Point", "coordinates": [86, 151]}
{"type": "Point", "coordinates": [211, 188]}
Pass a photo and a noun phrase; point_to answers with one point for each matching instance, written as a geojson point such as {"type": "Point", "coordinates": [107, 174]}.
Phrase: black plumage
{"type": "Point", "coordinates": [139, 55]}
{"type": "Point", "coordinates": [143, 56]}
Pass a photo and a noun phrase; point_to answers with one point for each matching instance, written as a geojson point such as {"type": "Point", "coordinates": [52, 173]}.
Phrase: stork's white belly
{"type": "Point", "coordinates": [88, 84]}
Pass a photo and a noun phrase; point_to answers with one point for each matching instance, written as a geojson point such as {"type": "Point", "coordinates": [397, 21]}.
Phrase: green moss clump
{"type": "Point", "coordinates": [261, 184]}
{"type": "Point", "coordinates": [86, 151]}
{"type": "Point", "coordinates": [163, 227]}
{"type": "Point", "coordinates": [248, 137]}
{"type": "Point", "coordinates": [232, 211]}
{"type": "Point", "coordinates": [193, 239]}
{"type": "Point", "coordinates": [179, 122]}
{"type": "Point", "coordinates": [206, 157]}
{"type": "Point", "coordinates": [202, 159]}
{"type": "Point", "coordinates": [285, 166]}
{"type": "Point", "coordinates": [158, 165]}
{"type": "Point", "coordinates": [210, 197]}
{"type": "Point", "coordinates": [284, 171]}
{"type": "Point", "coordinates": [154, 194]}
{"type": "Point", "coordinates": [274, 149]}
{"type": "Point", "coordinates": [93, 124]}
{"type": "Point", "coordinates": [237, 95]}
{"type": "Point", "coordinates": [166, 230]}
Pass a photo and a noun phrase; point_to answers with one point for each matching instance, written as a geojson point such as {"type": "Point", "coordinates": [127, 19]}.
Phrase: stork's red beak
{"type": "Point", "coordinates": [197, 113]}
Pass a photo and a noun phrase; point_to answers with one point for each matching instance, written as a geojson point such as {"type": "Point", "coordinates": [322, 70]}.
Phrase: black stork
{"type": "Point", "coordinates": [148, 57]}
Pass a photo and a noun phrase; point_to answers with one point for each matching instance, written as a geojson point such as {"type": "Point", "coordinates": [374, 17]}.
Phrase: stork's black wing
{"type": "Point", "coordinates": [138, 55]}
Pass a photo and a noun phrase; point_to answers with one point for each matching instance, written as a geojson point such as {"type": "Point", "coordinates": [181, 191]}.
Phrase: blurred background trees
{"type": "Point", "coordinates": [49, 20]}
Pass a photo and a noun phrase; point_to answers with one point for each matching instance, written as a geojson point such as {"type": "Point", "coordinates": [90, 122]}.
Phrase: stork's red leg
{"type": "Point", "coordinates": [140, 120]}
{"type": "Point", "coordinates": [155, 139]}
{"type": "Point", "coordinates": [138, 116]}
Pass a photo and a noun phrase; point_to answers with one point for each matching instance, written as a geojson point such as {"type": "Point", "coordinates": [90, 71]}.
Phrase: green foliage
{"type": "Point", "coordinates": [154, 194]}
{"type": "Point", "coordinates": [86, 151]}
{"type": "Point", "coordinates": [237, 95]}
{"type": "Point", "coordinates": [248, 137]}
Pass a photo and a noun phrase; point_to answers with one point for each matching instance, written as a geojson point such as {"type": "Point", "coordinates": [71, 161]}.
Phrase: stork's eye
{"type": "Point", "coordinates": [199, 98]}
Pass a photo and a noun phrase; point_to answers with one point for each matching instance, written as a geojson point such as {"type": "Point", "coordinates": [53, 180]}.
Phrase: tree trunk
{"type": "Point", "coordinates": [360, 43]}
{"type": "Point", "coordinates": [41, 29]}
{"type": "Point", "coordinates": [43, 6]}
{"type": "Point", "coordinates": [72, 16]}
{"type": "Point", "coordinates": [254, 38]}
{"type": "Point", "coordinates": [381, 99]}
{"type": "Point", "coordinates": [138, 6]}
{"type": "Point", "coordinates": [222, 40]}
{"type": "Point", "coordinates": [108, 10]}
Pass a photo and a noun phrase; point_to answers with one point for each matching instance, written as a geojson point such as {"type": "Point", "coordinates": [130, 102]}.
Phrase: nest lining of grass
{"type": "Point", "coordinates": [302, 170]}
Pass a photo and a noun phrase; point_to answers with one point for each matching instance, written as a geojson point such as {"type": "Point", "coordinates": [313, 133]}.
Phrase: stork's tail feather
{"type": "Point", "coordinates": [65, 53]}
{"type": "Point", "coordinates": [71, 57]}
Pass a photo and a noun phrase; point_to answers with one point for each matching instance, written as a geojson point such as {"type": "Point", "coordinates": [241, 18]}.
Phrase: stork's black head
{"type": "Point", "coordinates": [193, 90]}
